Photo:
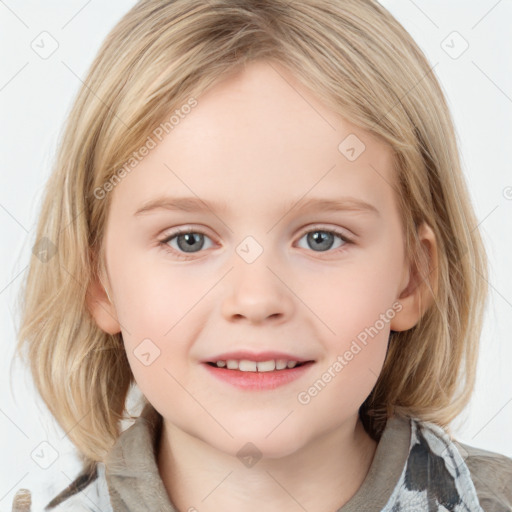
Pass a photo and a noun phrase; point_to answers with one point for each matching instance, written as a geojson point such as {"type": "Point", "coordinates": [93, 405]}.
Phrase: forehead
{"type": "Point", "coordinates": [259, 136]}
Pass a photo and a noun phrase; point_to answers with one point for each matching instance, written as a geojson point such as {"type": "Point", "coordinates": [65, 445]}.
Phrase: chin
{"type": "Point", "coordinates": [257, 444]}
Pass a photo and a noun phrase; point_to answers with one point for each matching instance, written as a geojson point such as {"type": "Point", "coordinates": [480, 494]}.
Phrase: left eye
{"type": "Point", "coordinates": [323, 239]}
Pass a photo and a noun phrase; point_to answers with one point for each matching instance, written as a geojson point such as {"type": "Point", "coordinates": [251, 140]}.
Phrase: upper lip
{"type": "Point", "coordinates": [255, 356]}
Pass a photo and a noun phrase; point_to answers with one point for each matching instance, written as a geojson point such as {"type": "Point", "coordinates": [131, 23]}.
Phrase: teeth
{"type": "Point", "coordinates": [280, 364]}
{"type": "Point", "coordinates": [266, 366]}
{"type": "Point", "coordinates": [245, 365]}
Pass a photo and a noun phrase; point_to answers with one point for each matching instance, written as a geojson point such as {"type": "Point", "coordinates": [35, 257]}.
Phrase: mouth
{"type": "Point", "coordinates": [246, 365]}
{"type": "Point", "coordinates": [254, 376]}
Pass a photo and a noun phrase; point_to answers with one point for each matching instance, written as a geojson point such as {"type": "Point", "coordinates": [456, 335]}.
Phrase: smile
{"type": "Point", "coordinates": [245, 365]}
{"type": "Point", "coordinates": [257, 375]}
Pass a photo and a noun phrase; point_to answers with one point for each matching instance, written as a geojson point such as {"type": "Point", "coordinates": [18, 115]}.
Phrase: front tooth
{"type": "Point", "coordinates": [232, 364]}
{"type": "Point", "coordinates": [291, 364]}
{"type": "Point", "coordinates": [280, 364]}
{"type": "Point", "coordinates": [247, 366]}
{"type": "Point", "coordinates": [266, 366]}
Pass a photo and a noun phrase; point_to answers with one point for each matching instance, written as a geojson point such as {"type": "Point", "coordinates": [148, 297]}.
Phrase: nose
{"type": "Point", "coordinates": [257, 293]}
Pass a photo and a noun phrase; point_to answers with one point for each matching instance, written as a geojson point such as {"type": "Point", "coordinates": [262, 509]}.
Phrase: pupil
{"type": "Point", "coordinates": [321, 239]}
{"type": "Point", "coordinates": [190, 240]}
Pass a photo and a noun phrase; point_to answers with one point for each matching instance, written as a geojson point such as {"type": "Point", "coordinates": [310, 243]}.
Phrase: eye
{"type": "Point", "coordinates": [322, 240]}
{"type": "Point", "coordinates": [185, 241]}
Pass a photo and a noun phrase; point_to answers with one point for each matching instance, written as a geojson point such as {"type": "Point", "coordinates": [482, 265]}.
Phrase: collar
{"type": "Point", "coordinates": [131, 469]}
{"type": "Point", "coordinates": [135, 484]}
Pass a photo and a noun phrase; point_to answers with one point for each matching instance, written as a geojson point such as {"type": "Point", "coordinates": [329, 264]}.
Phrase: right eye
{"type": "Point", "coordinates": [184, 241]}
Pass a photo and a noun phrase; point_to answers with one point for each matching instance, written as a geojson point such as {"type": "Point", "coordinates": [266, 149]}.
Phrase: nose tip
{"type": "Point", "coordinates": [256, 294]}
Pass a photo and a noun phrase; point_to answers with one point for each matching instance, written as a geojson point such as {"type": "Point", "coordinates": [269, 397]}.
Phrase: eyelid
{"type": "Point", "coordinates": [342, 233]}
{"type": "Point", "coordinates": [189, 228]}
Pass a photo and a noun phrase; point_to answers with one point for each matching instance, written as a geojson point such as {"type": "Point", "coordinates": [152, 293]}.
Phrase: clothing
{"type": "Point", "coordinates": [416, 467]}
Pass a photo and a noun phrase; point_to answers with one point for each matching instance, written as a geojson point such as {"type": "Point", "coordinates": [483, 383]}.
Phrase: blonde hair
{"type": "Point", "coordinates": [360, 61]}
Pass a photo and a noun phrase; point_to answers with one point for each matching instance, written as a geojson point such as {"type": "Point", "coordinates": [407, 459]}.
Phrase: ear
{"type": "Point", "coordinates": [101, 308]}
{"type": "Point", "coordinates": [415, 295]}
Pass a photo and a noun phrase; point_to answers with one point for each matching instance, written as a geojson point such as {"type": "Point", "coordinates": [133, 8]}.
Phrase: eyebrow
{"type": "Point", "coordinates": [194, 204]}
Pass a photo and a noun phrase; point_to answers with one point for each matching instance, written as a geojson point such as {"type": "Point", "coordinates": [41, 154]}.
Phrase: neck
{"type": "Point", "coordinates": [322, 475]}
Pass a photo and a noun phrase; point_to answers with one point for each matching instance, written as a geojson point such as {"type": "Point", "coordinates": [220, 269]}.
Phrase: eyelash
{"type": "Point", "coordinates": [183, 231]}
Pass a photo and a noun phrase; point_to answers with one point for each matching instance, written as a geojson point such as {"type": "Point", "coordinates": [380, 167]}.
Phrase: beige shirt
{"type": "Point", "coordinates": [416, 467]}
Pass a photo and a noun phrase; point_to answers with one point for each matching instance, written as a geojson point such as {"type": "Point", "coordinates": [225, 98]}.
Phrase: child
{"type": "Point", "coordinates": [275, 372]}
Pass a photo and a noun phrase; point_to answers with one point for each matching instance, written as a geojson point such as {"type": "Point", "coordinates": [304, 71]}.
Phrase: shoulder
{"type": "Point", "coordinates": [87, 493]}
{"type": "Point", "coordinates": [492, 476]}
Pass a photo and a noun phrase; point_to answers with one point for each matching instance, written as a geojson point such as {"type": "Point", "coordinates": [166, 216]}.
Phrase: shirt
{"type": "Point", "coordinates": [416, 467]}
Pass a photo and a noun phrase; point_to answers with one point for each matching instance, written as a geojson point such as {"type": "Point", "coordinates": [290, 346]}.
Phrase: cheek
{"type": "Point", "coordinates": [155, 307]}
{"type": "Point", "coordinates": [356, 313]}
{"type": "Point", "coordinates": [355, 303]}
{"type": "Point", "coordinates": [351, 296]}
{"type": "Point", "coordinates": [152, 299]}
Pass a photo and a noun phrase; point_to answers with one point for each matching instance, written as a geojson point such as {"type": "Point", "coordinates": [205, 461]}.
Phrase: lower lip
{"type": "Point", "coordinates": [259, 380]}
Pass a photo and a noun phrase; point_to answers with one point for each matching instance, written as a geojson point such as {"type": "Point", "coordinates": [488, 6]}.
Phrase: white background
{"type": "Point", "coordinates": [36, 94]}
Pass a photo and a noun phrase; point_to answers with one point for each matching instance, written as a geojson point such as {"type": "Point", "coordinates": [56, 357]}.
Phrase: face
{"type": "Point", "coordinates": [266, 267]}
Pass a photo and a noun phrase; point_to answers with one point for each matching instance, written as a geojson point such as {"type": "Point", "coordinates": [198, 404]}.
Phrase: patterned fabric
{"type": "Point", "coordinates": [435, 478]}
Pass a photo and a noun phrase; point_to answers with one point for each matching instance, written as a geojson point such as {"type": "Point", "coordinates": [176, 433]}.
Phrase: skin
{"type": "Point", "coordinates": [259, 140]}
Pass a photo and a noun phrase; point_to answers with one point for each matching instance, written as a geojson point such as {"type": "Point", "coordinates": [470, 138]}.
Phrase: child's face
{"type": "Point", "coordinates": [258, 143]}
